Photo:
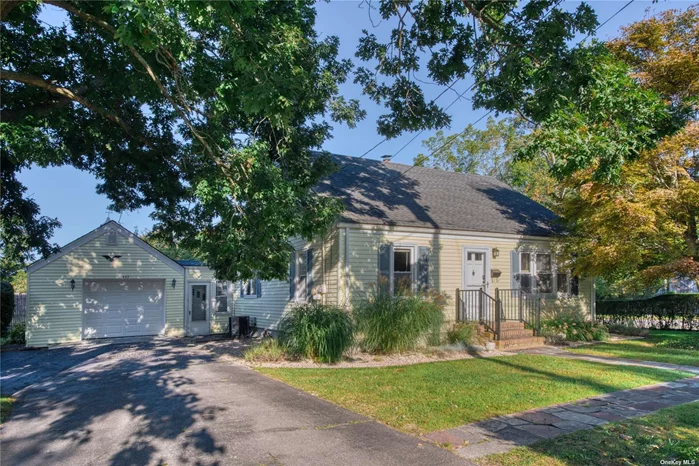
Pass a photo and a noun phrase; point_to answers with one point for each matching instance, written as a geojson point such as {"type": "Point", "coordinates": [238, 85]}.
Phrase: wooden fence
{"type": "Point", "coordinates": [20, 315]}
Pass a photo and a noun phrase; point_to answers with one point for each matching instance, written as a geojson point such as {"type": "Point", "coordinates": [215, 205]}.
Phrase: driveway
{"type": "Point", "coordinates": [169, 403]}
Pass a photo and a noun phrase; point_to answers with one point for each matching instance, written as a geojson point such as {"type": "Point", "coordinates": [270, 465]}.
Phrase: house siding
{"type": "Point", "coordinates": [54, 311]}
{"type": "Point", "coordinates": [445, 272]}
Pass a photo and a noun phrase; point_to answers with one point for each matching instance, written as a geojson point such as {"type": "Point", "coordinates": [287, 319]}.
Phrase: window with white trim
{"type": "Point", "coordinates": [525, 280]}
{"type": "Point", "coordinates": [248, 288]}
{"type": "Point", "coordinates": [221, 296]}
{"type": "Point", "coordinates": [539, 273]}
{"type": "Point", "coordinates": [544, 273]}
{"type": "Point", "coordinates": [402, 270]}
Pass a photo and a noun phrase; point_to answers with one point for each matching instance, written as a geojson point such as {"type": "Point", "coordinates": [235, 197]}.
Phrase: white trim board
{"type": "Point", "coordinates": [99, 231]}
{"type": "Point", "coordinates": [447, 234]}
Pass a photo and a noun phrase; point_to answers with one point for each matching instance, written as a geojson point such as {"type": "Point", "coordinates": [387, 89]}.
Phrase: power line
{"type": "Point", "coordinates": [453, 136]}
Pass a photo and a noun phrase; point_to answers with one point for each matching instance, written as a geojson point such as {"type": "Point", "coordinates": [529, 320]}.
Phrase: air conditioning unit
{"type": "Point", "coordinates": [242, 326]}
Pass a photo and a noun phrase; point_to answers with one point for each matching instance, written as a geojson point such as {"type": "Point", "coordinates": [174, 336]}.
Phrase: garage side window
{"type": "Point", "coordinates": [111, 237]}
{"type": "Point", "coordinates": [222, 296]}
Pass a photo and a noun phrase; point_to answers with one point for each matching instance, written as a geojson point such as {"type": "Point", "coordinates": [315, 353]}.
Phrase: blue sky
{"type": "Point", "coordinates": [70, 195]}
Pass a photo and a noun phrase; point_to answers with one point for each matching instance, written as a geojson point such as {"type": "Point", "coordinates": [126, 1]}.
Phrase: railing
{"type": "Point", "coordinates": [507, 305]}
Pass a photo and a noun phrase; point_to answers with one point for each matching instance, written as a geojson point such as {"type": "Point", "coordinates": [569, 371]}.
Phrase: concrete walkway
{"type": "Point", "coordinates": [501, 434]}
{"type": "Point", "coordinates": [561, 353]}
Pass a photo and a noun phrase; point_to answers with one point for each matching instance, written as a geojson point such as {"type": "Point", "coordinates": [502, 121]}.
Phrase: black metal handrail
{"type": "Point", "coordinates": [507, 305]}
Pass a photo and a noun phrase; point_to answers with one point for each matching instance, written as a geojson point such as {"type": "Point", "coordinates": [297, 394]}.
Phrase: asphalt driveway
{"type": "Point", "coordinates": [169, 403]}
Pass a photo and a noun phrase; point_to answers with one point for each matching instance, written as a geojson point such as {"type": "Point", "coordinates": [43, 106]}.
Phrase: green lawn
{"type": "Point", "coordinates": [427, 397]}
{"type": "Point", "coordinates": [661, 346]}
{"type": "Point", "coordinates": [5, 407]}
{"type": "Point", "coordinates": [668, 434]}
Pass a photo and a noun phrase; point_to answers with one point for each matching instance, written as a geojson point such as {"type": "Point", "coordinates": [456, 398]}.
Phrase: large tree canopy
{"type": "Point", "coordinates": [206, 111]}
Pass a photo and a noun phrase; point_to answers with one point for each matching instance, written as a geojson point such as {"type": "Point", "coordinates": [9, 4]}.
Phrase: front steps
{"type": "Point", "coordinates": [513, 335]}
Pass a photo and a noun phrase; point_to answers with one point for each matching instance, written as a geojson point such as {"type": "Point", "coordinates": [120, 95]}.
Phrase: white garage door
{"type": "Point", "coordinates": [121, 308]}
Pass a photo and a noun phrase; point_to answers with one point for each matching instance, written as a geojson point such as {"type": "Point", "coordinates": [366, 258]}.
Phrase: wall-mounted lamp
{"type": "Point", "coordinates": [72, 285]}
{"type": "Point", "coordinates": [174, 282]}
{"type": "Point", "coordinates": [496, 253]}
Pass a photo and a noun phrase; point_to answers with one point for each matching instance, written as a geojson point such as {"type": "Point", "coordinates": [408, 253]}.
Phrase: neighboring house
{"type": "Point", "coordinates": [410, 226]}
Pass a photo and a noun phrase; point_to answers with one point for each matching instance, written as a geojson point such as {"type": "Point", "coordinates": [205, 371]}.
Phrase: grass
{"type": "Point", "coordinates": [6, 403]}
{"type": "Point", "coordinates": [667, 346]}
{"type": "Point", "coordinates": [669, 434]}
{"type": "Point", "coordinates": [427, 397]}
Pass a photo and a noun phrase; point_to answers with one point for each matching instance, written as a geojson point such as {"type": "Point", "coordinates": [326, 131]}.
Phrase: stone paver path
{"type": "Point", "coordinates": [561, 353]}
{"type": "Point", "coordinates": [500, 434]}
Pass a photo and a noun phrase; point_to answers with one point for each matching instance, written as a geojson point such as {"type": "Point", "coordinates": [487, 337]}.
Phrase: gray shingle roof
{"type": "Point", "coordinates": [379, 193]}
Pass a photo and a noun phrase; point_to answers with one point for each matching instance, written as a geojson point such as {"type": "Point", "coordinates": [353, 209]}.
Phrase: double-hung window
{"type": "Point", "coordinates": [402, 270]}
{"type": "Point", "coordinates": [221, 296]}
{"type": "Point", "coordinates": [539, 273]}
{"type": "Point", "coordinates": [544, 273]}
{"type": "Point", "coordinates": [250, 288]}
{"type": "Point", "coordinates": [302, 276]}
{"type": "Point", "coordinates": [525, 281]}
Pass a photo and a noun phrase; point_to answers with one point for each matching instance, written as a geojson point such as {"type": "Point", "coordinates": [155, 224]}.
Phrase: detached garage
{"type": "Point", "coordinates": [108, 283]}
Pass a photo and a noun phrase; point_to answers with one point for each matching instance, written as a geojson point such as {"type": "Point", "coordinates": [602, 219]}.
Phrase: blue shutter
{"type": "Point", "coordinates": [292, 276]}
{"type": "Point", "coordinates": [258, 287]}
{"type": "Point", "coordinates": [423, 268]}
{"type": "Point", "coordinates": [309, 274]}
{"type": "Point", "coordinates": [574, 286]}
{"type": "Point", "coordinates": [514, 270]}
{"type": "Point", "coordinates": [384, 284]}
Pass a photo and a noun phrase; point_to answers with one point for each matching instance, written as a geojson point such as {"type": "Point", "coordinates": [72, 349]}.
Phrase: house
{"type": "Point", "coordinates": [410, 226]}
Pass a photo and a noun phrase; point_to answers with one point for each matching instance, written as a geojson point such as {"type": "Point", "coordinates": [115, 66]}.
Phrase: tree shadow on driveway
{"type": "Point", "coordinates": [126, 406]}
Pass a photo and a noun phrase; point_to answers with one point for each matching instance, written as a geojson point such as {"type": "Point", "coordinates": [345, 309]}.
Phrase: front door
{"type": "Point", "coordinates": [476, 271]}
{"type": "Point", "coordinates": [199, 308]}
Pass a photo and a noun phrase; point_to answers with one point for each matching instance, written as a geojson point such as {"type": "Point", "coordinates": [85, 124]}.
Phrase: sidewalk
{"type": "Point", "coordinates": [501, 434]}
{"type": "Point", "coordinates": [561, 353]}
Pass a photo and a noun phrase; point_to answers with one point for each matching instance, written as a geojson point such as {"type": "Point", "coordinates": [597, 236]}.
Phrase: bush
{"type": "Point", "coordinates": [316, 331]}
{"type": "Point", "coordinates": [630, 330]}
{"type": "Point", "coordinates": [7, 306]}
{"type": "Point", "coordinates": [392, 324]}
{"type": "Point", "coordinates": [464, 332]}
{"type": "Point", "coordinates": [671, 311]}
{"type": "Point", "coordinates": [268, 350]}
{"type": "Point", "coordinates": [574, 330]}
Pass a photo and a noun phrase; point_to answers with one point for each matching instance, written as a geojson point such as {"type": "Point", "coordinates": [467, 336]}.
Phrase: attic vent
{"type": "Point", "coordinates": [111, 237]}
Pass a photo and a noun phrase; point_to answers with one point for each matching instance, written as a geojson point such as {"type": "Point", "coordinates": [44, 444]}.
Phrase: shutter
{"type": "Point", "coordinates": [384, 278]}
{"type": "Point", "coordinates": [514, 270]}
{"type": "Point", "coordinates": [423, 268]}
{"type": "Point", "coordinates": [575, 286]}
{"type": "Point", "coordinates": [242, 288]}
{"type": "Point", "coordinates": [292, 277]}
{"type": "Point", "coordinates": [258, 287]}
{"type": "Point", "coordinates": [309, 274]}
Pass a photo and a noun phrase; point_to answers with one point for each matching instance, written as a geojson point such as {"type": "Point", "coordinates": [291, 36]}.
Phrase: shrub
{"type": "Point", "coordinates": [663, 312]}
{"type": "Point", "coordinates": [574, 330]}
{"type": "Point", "coordinates": [268, 350]}
{"type": "Point", "coordinates": [630, 330]}
{"type": "Point", "coordinates": [463, 332]}
{"type": "Point", "coordinates": [316, 331]}
{"type": "Point", "coordinates": [391, 324]}
{"type": "Point", "coordinates": [7, 306]}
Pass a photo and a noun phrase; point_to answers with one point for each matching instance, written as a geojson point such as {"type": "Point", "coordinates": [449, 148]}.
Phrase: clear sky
{"type": "Point", "coordinates": [69, 194]}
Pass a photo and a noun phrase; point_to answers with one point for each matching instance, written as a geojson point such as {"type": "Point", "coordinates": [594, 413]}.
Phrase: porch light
{"type": "Point", "coordinates": [496, 253]}
{"type": "Point", "coordinates": [174, 282]}
{"type": "Point", "coordinates": [72, 285]}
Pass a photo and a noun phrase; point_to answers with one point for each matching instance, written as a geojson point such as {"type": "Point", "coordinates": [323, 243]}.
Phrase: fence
{"type": "Point", "coordinates": [506, 305]}
{"type": "Point", "coordinates": [20, 314]}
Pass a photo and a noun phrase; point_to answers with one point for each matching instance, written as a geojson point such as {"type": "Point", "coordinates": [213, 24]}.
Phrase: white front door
{"type": "Point", "coordinates": [475, 273]}
{"type": "Point", "coordinates": [199, 308]}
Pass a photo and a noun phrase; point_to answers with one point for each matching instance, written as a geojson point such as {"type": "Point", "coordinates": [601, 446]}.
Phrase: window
{"type": "Point", "coordinates": [249, 288]}
{"type": "Point", "coordinates": [111, 237]}
{"type": "Point", "coordinates": [402, 270]}
{"type": "Point", "coordinates": [221, 296]}
{"type": "Point", "coordinates": [562, 284]}
{"type": "Point", "coordinates": [544, 273]}
{"type": "Point", "coordinates": [302, 275]}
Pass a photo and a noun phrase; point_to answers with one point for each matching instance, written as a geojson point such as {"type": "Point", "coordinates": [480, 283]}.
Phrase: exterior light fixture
{"type": "Point", "coordinates": [72, 285]}
{"type": "Point", "coordinates": [174, 282]}
{"type": "Point", "coordinates": [496, 253]}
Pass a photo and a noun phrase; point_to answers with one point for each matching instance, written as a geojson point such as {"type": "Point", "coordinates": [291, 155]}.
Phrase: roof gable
{"type": "Point", "coordinates": [99, 231]}
{"type": "Point", "coordinates": [394, 194]}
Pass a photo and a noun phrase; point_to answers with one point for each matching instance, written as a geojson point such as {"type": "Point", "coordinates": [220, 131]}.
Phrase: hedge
{"type": "Point", "coordinates": [670, 311]}
{"type": "Point", "coordinates": [7, 306]}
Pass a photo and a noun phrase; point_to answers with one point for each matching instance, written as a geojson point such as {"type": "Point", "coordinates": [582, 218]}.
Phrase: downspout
{"type": "Point", "coordinates": [347, 272]}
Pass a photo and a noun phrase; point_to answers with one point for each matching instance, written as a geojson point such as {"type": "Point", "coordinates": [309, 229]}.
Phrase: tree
{"type": "Point", "coordinates": [168, 246]}
{"type": "Point", "coordinates": [585, 108]}
{"type": "Point", "coordinates": [205, 110]}
{"type": "Point", "coordinates": [493, 152]}
{"type": "Point", "coordinates": [643, 228]}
